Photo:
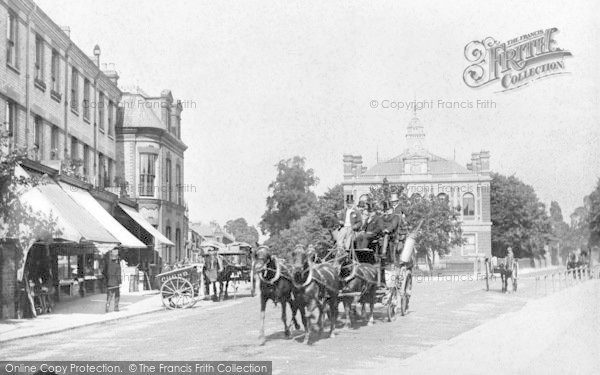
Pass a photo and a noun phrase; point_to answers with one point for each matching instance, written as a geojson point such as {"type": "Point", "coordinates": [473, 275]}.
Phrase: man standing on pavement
{"type": "Point", "coordinates": [112, 278]}
{"type": "Point", "coordinates": [350, 222]}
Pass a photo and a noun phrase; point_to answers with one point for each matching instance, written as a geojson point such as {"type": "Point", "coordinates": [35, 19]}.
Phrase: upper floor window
{"type": "Point", "coordinates": [147, 174]}
{"type": "Point", "coordinates": [74, 148]}
{"type": "Point", "coordinates": [178, 186]}
{"type": "Point", "coordinates": [39, 58]}
{"type": "Point", "coordinates": [86, 99]}
{"type": "Point", "coordinates": [54, 143]}
{"type": "Point", "coordinates": [101, 169]}
{"type": "Point", "coordinates": [55, 71]}
{"type": "Point", "coordinates": [468, 204]}
{"type": "Point", "coordinates": [101, 111]}
{"type": "Point", "coordinates": [12, 40]}
{"type": "Point", "coordinates": [109, 173]}
{"type": "Point", "coordinates": [110, 117]}
{"type": "Point", "coordinates": [74, 90]}
{"type": "Point", "coordinates": [168, 180]}
{"type": "Point", "coordinates": [10, 119]}
{"type": "Point", "coordinates": [38, 137]}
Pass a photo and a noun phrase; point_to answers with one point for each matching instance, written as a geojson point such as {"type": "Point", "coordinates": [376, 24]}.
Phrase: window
{"type": "Point", "coordinates": [178, 186]}
{"type": "Point", "coordinates": [54, 143]}
{"type": "Point", "coordinates": [39, 59]}
{"type": "Point", "coordinates": [468, 204]}
{"type": "Point", "coordinates": [10, 120]}
{"type": "Point", "coordinates": [101, 111]}
{"type": "Point", "coordinates": [178, 242]}
{"type": "Point", "coordinates": [110, 117]}
{"type": "Point", "coordinates": [86, 160]}
{"type": "Point", "coordinates": [416, 197]}
{"type": "Point", "coordinates": [86, 99]}
{"type": "Point", "coordinates": [100, 169]}
{"type": "Point", "coordinates": [55, 71]}
{"type": "Point", "coordinates": [12, 40]}
{"type": "Point", "coordinates": [74, 90]}
{"type": "Point", "coordinates": [469, 247]}
{"type": "Point", "coordinates": [109, 174]}
{"type": "Point", "coordinates": [442, 197]}
{"type": "Point", "coordinates": [38, 137]}
{"type": "Point", "coordinates": [74, 150]}
{"type": "Point", "coordinates": [147, 174]}
{"type": "Point", "coordinates": [168, 235]}
{"type": "Point", "coordinates": [168, 180]}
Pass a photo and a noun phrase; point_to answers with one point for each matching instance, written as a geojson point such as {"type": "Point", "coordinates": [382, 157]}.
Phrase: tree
{"type": "Point", "coordinates": [291, 196]}
{"type": "Point", "coordinates": [519, 220]}
{"type": "Point", "coordinates": [560, 231]}
{"type": "Point", "coordinates": [305, 231]}
{"type": "Point", "coordinates": [328, 205]}
{"type": "Point", "coordinates": [593, 218]}
{"type": "Point", "coordinates": [242, 232]}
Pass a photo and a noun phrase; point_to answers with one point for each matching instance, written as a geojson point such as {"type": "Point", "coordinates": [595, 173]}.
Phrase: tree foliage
{"type": "Point", "coordinates": [242, 232]}
{"type": "Point", "coordinates": [593, 218]}
{"type": "Point", "coordinates": [305, 231]}
{"type": "Point", "coordinates": [328, 205]}
{"type": "Point", "coordinates": [519, 219]}
{"type": "Point", "coordinates": [291, 196]}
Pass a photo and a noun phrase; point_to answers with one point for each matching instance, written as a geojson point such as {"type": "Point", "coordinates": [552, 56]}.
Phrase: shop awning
{"type": "Point", "coordinates": [76, 223]}
{"type": "Point", "coordinates": [90, 204]}
{"type": "Point", "coordinates": [146, 225]}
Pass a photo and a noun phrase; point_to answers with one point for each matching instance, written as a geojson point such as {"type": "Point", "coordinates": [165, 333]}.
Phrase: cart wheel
{"type": "Point", "coordinates": [177, 293]}
{"type": "Point", "coordinates": [392, 304]}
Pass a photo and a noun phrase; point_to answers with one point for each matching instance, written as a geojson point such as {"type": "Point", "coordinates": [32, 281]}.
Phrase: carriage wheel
{"type": "Point", "coordinates": [177, 293]}
{"type": "Point", "coordinates": [407, 287]}
{"type": "Point", "coordinates": [392, 304]}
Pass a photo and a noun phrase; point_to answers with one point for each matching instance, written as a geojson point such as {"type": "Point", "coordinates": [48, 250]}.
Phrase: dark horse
{"type": "Point", "coordinates": [217, 270]}
{"type": "Point", "coordinates": [359, 285]}
{"type": "Point", "coordinates": [275, 284]}
{"type": "Point", "coordinates": [315, 287]}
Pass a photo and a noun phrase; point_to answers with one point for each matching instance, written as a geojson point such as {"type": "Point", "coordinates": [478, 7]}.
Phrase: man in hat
{"type": "Point", "coordinates": [350, 222]}
{"type": "Point", "coordinates": [371, 229]}
{"type": "Point", "coordinates": [391, 223]}
{"type": "Point", "coordinates": [112, 278]}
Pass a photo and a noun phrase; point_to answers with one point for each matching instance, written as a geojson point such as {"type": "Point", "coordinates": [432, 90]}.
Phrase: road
{"type": "Point", "coordinates": [228, 330]}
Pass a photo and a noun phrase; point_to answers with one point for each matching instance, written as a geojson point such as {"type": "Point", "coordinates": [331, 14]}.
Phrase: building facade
{"type": "Point", "coordinates": [151, 160]}
{"type": "Point", "coordinates": [55, 100]}
{"type": "Point", "coordinates": [424, 174]}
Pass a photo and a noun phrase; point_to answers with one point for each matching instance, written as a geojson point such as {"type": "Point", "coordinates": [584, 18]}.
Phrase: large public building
{"type": "Point", "coordinates": [423, 173]}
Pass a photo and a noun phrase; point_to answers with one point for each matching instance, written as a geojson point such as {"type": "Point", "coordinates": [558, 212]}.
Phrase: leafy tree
{"type": "Point", "coordinates": [305, 231]}
{"type": "Point", "coordinates": [243, 232]}
{"type": "Point", "coordinates": [560, 231]}
{"type": "Point", "coordinates": [329, 204]}
{"type": "Point", "coordinates": [593, 218]}
{"type": "Point", "coordinates": [291, 196]}
{"type": "Point", "coordinates": [519, 220]}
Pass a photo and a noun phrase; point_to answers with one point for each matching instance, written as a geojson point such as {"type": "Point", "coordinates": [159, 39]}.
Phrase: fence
{"type": "Point", "coordinates": [556, 280]}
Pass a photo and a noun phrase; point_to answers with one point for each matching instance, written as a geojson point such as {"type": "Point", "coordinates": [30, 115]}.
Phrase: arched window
{"type": "Point", "coordinates": [468, 204]}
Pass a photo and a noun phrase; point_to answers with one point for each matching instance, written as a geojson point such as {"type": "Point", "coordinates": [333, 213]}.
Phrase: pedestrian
{"type": "Point", "coordinates": [112, 278]}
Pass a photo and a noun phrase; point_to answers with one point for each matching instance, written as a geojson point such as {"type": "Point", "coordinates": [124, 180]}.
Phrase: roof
{"type": "Point", "coordinates": [436, 165]}
{"type": "Point", "coordinates": [136, 114]}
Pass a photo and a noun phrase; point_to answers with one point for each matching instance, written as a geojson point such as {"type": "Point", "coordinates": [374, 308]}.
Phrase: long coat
{"type": "Point", "coordinates": [112, 273]}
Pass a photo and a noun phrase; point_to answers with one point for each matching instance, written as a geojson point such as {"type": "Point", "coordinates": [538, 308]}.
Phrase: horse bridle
{"type": "Point", "coordinates": [264, 269]}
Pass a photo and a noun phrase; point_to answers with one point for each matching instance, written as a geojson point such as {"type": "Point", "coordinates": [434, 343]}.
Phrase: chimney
{"type": "Point", "coordinates": [110, 72]}
{"type": "Point", "coordinates": [357, 165]}
{"type": "Point", "coordinates": [66, 30]}
{"type": "Point", "coordinates": [348, 164]}
{"type": "Point", "coordinates": [475, 162]}
{"type": "Point", "coordinates": [484, 157]}
{"type": "Point", "coordinates": [97, 55]}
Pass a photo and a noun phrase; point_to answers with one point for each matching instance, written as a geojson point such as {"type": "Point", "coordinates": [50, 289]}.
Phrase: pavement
{"type": "Point", "coordinates": [558, 334]}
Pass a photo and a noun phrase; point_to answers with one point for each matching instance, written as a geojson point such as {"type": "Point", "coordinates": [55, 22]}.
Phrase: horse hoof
{"type": "Point", "coordinates": [370, 323]}
{"type": "Point", "coordinates": [288, 334]}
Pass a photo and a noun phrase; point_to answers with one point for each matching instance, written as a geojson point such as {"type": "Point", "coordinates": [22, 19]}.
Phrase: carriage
{"type": "Point", "coordinates": [497, 266]}
{"type": "Point", "coordinates": [180, 287]}
{"type": "Point", "coordinates": [395, 295]}
{"type": "Point", "coordinates": [243, 260]}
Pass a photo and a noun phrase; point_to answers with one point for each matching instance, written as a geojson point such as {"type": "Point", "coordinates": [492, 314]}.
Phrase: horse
{"type": "Point", "coordinates": [506, 272]}
{"type": "Point", "coordinates": [359, 279]}
{"type": "Point", "coordinates": [315, 286]}
{"type": "Point", "coordinates": [275, 284]}
{"type": "Point", "coordinates": [217, 270]}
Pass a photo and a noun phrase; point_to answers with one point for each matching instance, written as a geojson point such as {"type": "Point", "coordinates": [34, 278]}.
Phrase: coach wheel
{"type": "Point", "coordinates": [177, 293]}
{"type": "Point", "coordinates": [392, 304]}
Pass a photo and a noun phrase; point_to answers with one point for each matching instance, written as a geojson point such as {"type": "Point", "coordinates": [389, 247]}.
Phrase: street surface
{"type": "Point", "coordinates": [228, 330]}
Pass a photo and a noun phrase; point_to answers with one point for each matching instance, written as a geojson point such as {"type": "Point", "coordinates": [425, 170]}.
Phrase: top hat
{"type": "Point", "coordinates": [394, 197]}
{"type": "Point", "coordinates": [385, 206]}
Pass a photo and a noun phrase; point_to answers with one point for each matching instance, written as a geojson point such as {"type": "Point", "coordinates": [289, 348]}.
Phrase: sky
{"type": "Point", "coordinates": [264, 81]}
